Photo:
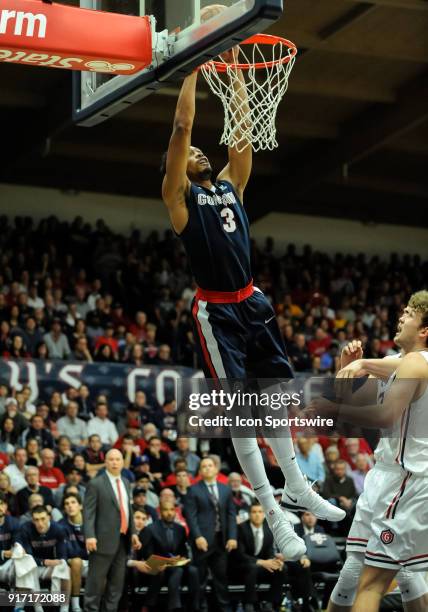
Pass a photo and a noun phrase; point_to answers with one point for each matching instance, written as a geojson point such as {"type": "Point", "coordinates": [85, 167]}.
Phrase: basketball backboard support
{"type": "Point", "coordinates": [180, 44]}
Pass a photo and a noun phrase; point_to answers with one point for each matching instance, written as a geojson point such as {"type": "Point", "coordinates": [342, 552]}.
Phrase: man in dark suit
{"type": "Point", "coordinates": [256, 561]}
{"type": "Point", "coordinates": [168, 539]}
{"type": "Point", "coordinates": [308, 525]}
{"type": "Point", "coordinates": [211, 517]}
{"type": "Point", "coordinates": [109, 530]}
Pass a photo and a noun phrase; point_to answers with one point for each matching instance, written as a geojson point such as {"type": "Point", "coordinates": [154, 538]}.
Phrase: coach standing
{"type": "Point", "coordinates": [211, 516]}
{"type": "Point", "coordinates": [109, 530]}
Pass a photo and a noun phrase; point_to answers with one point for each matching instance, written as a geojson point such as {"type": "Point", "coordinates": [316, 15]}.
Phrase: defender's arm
{"type": "Point", "coordinates": [176, 184]}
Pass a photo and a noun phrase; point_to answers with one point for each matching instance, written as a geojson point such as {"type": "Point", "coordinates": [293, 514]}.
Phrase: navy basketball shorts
{"type": "Point", "coordinates": [238, 335]}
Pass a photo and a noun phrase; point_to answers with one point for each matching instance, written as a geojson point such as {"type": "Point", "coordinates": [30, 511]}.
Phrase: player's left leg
{"type": "Point", "coordinates": [373, 585]}
{"type": "Point", "coordinates": [267, 359]}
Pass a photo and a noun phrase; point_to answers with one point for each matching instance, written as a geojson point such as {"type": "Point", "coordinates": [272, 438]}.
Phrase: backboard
{"type": "Point", "coordinates": [180, 44]}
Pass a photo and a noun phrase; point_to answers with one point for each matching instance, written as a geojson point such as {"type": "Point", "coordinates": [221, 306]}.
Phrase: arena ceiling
{"type": "Point", "coordinates": [353, 128]}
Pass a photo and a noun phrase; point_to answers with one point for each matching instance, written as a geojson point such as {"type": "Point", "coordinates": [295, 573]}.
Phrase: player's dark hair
{"type": "Point", "coordinates": [162, 167]}
{"type": "Point", "coordinates": [255, 504]}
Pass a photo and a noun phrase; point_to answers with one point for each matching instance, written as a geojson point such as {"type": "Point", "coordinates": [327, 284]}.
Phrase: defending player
{"type": "Point", "coordinates": [235, 324]}
{"type": "Point", "coordinates": [396, 491]}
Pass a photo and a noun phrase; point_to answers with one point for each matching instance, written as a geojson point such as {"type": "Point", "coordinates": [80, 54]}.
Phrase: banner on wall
{"type": "Point", "coordinates": [118, 381]}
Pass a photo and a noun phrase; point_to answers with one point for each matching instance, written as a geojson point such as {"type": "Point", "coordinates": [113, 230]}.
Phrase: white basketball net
{"type": "Point", "coordinates": [251, 119]}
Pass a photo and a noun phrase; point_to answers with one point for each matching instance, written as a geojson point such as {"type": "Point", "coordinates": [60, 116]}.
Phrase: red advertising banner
{"type": "Point", "coordinates": [59, 36]}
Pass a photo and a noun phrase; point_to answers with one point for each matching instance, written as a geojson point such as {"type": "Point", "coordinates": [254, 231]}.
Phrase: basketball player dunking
{"type": "Point", "coordinates": [389, 532]}
{"type": "Point", "coordinates": [235, 324]}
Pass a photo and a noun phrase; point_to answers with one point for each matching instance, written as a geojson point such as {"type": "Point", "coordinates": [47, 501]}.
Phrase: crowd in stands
{"type": "Point", "coordinates": [50, 450]}
{"type": "Point", "coordinates": [72, 291]}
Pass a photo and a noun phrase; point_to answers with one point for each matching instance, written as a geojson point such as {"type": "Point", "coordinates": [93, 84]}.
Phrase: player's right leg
{"type": "Point", "coordinates": [267, 359]}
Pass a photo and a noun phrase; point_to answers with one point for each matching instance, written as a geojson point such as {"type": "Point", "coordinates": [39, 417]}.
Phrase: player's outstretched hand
{"type": "Point", "coordinates": [352, 351]}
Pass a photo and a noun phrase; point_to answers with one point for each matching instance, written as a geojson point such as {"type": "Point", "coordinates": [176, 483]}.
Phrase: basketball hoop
{"type": "Point", "coordinates": [266, 62]}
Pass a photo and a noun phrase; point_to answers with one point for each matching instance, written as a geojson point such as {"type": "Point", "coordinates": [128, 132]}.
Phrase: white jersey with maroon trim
{"type": "Point", "coordinates": [406, 444]}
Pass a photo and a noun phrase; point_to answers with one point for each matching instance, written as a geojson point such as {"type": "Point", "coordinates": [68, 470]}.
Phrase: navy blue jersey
{"type": "Point", "coordinates": [74, 539]}
{"type": "Point", "coordinates": [8, 533]}
{"type": "Point", "coordinates": [217, 238]}
{"type": "Point", "coordinates": [50, 545]}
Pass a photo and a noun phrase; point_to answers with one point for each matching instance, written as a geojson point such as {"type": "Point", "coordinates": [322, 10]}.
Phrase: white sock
{"type": "Point", "coordinates": [63, 608]}
{"type": "Point", "coordinates": [284, 452]}
{"type": "Point", "coordinates": [38, 608]}
{"type": "Point", "coordinates": [75, 602]}
{"type": "Point", "coordinates": [250, 458]}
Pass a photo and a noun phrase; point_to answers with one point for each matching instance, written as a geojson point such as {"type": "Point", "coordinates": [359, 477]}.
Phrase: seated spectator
{"type": "Point", "coordinates": [180, 489]}
{"type": "Point", "coordinates": [139, 500]}
{"type": "Point", "coordinates": [130, 451]}
{"type": "Point", "coordinates": [80, 464]}
{"type": "Point", "coordinates": [150, 430]}
{"type": "Point", "coordinates": [308, 525]}
{"type": "Point", "coordinates": [102, 425]}
{"type": "Point", "coordinates": [299, 354]}
{"type": "Point", "coordinates": [350, 452]}
{"type": "Point", "coordinates": [9, 528]}
{"type": "Point", "coordinates": [166, 420]}
{"type": "Point", "coordinates": [77, 555]}
{"type": "Point", "coordinates": [73, 478]}
{"type": "Point", "coordinates": [64, 453]}
{"type": "Point", "coordinates": [143, 482]}
{"type": "Point", "coordinates": [35, 499]}
{"type": "Point", "coordinates": [104, 354]}
{"type": "Point", "coordinates": [146, 412]}
{"type": "Point", "coordinates": [44, 540]}
{"type": "Point", "coordinates": [256, 561]}
{"type": "Point", "coordinates": [168, 495]}
{"type": "Point", "coordinates": [8, 493]}
{"type": "Point", "coordinates": [132, 432]}
{"type": "Point", "coordinates": [183, 452]}
{"type": "Point", "coordinates": [171, 479]}
{"type": "Point", "coordinates": [93, 455]}
{"type": "Point", "coordinates": [331, 456]}
{"type": "Point", "coordinates": [320, 343]}
{"type": "Point", "coordinates": [84, 403]}
{"type": "Point", "coordinates": [33, 451]}
{"type": "Point", "coordinates": [242, 496]}
{"type": "Point", "coordinates": [57, 341]}
{"type": "Point", "coordinates": [32, 477]}
{"type": "Point", "coordinates": [158, 459]}
{"type": "Point", "coordinates": [11, 411]}
{"type": "Point", "coordinates": [309, 460]}
{"type": "Point", "coordinates": [16, 470]}
{"type": "Point", "coordinates": [8, 435]}
{"type": "Point", "coordinates": [49, 475]}
{"type": "Point", "coordinates": [73, 427]}
{"type": "Point", "coordinates": [37, 430]}
{"type": "Point", "coordinates": [166, 538]}
{"type": "Point", "coordinates": [339, 489]}
{"type": "Point", "coordinates": [359, 474]}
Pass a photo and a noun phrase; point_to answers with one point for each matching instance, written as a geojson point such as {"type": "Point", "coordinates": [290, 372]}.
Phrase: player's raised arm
{"type": "Point", "coordinates": [238, 169]}
{"type": "Point", "coordinates": [176, 184]}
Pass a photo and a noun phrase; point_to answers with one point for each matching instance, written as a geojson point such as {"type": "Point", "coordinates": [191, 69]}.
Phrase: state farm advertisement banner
{"type": "Point", "coordinates": [60, 36]}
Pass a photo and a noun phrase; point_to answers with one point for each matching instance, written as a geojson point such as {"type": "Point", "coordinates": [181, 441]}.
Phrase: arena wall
{"type": "Point", "coordinates": [126, 213]}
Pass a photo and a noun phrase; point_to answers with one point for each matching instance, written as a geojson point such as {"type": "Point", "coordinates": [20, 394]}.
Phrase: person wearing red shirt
{"type": "Point", "coordinates": [320, 344]}
{"type": "Point", "coordinates": [138, 329]}
{"type": "Point", "coordinates": [50, 476]}
{"type": "Point", "coordinates": [108, 338]}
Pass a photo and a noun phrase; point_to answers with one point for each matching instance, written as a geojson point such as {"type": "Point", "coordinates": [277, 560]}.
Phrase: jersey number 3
{"type": "Point", "coordinates": [229, 224]}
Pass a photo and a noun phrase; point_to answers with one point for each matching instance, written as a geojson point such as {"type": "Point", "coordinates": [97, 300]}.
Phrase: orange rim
{"type": "Point", "coordinates": [260, 39]}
